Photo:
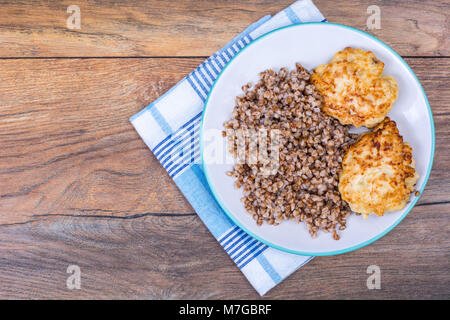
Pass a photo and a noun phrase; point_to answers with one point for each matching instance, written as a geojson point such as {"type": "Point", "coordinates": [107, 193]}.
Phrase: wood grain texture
{"type": "Point", "coordinates": [68, 147]}
{"type": "Point", "coordinates": [65, 126]}
{"type": "Point", "coordinates": [175, 257]}
{"type": "Point", "coordinates": [198, 28]}
{"type": "Point", "coordinates": [78, 186]}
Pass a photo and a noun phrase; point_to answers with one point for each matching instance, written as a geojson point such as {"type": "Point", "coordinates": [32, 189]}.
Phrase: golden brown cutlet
{"type": "Point", "coordinates": [353, 88]}
{"type": "Point", "coordinates": [378, 172]}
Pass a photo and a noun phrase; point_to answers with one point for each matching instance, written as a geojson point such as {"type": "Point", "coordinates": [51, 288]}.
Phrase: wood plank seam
{"type": "Point", "coordinates": [149, 214]}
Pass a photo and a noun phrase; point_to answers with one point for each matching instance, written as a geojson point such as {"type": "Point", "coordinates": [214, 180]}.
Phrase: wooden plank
{"type": "Point", "coordinates": [67, 146]}
{"type": "Point", "coordinates": [197, 28]}
{"type": "Point", "coordinates": [175, 257]}
{"type": "Point", "coordinates": [64, 124]}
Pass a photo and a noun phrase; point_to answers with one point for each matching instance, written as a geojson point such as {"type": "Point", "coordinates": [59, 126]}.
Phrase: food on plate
{"type": "Point", "coordinates": [354, 89]}
{"type": "Point", "coordinates": [321, 174]}
{"type": "Point", "coordinates": [378, 172]}
{"type": "Point", "coordinates": [304, 186]}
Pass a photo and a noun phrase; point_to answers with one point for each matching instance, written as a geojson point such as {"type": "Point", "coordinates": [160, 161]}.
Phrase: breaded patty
{"type": "Point", "coordinates": [378, 173]}
{"type": "Point", "coordinates": [353, 88]}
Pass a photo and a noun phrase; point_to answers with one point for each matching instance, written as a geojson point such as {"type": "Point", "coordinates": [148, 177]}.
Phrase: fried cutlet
{"type": "Point", "coordinates": [353, 88]}
{"type": "Point", "coordinates": [378, 172]}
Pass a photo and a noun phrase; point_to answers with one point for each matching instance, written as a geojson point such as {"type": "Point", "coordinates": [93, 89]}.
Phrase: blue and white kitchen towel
{"type": "Point", "coordinates": [170, 128]}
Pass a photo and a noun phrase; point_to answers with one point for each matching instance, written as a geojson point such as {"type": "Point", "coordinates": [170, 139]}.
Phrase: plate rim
{"type": "Point", "coordinates": [352, 248]}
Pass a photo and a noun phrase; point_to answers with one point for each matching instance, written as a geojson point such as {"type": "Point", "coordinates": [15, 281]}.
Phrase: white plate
{"type": "Point", "coordinates": [312, 44]}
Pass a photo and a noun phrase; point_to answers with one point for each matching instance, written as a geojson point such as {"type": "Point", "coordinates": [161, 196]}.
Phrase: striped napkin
{"type": "Point", "coordinates": [170, 128]}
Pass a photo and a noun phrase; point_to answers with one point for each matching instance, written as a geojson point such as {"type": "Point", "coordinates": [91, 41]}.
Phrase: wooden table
{"type": "Point", "coordinates": [78, 186]}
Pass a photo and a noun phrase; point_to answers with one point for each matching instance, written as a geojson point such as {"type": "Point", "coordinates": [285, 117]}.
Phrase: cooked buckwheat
{"type": "Point", "coordinates": [305, 185]}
